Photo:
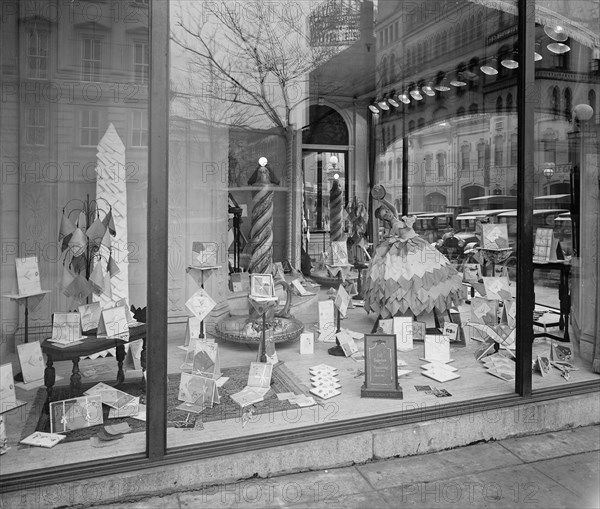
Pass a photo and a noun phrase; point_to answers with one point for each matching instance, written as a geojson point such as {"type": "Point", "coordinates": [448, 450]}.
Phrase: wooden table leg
{"type": "Point", "coordinates": [120, 358]}
{"type": "Point", "coordinates": [75, 379]}
{"type": "Point", "coordinates": [49, 380]}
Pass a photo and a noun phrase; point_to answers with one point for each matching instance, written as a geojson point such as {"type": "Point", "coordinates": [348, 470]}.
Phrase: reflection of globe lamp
{"type": "Point", "coordinates": [583, 112]}
{"type": "Point", "coordinates": [333, 160]}
{"type": "Point", "coordinates": [548, 170]}
{"type": "Point", "coordinates": [263, 161]}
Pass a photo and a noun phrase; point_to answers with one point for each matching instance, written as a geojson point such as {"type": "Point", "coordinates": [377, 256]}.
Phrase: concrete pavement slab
{"type": "Point", "coordinates": [555, 444]}
{"type": "Point", "coordinates": [166, 502]}
{"type": "Point", "coordinates": [370, 499]}
{"type": "Point", "coordinates": [303, 488]}
{"type": "Point", "coordinates": [442, 465]}
{"type": "Point", "coordinates": [510, 487]}
{"type": "Point", "coordinates": [579, 473]}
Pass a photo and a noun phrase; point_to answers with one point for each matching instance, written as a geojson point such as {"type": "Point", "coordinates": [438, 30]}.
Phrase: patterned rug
{"type": "Point", "coordinates": [282, 380]}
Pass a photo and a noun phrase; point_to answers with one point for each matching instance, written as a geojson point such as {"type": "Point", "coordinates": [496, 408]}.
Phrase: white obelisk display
{"type": "Point", "coordinates": [111, 190]}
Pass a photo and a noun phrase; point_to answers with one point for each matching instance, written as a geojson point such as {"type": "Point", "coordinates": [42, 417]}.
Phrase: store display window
{"type": "Point", "coordinates": [351, 211]}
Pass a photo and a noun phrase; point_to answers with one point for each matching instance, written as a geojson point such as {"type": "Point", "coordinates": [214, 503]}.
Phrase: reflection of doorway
{"type": "Point", "coordinates": [435, 202]}
{"type": "Point", "coordinates": [320, 168]}
{"type": "Point", "coordinates": [471, 192]}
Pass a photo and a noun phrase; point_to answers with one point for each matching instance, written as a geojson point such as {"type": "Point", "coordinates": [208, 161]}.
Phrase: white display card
{"type": "Point", "coordinates": [307, 343]}
{"type": "Point", "coordinates": [113, 322]}
{"type": "Point", "coordinates": [28, 275]}
{"type": "Point", "coordinates": [437, 348]}
{"type": "Point", "coordinates": [403, 329]}
{"type": "Point", "coordinates": [31, 360]}
{"type": "Point", "coordinates": [327, 325]}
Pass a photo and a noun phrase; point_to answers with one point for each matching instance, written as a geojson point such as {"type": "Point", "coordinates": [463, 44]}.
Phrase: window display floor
{"type": "Point", "coordinates": [473, 383]}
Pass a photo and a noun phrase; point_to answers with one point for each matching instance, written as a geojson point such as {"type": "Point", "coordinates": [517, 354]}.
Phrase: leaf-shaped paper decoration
{"type": "Point", "coordinates": [78, 242]}
{"type": "Point", "coordinates": [109, 223]}
{"type": "Point", "coordinates": [106, 240]}
{"type": "Point", "coordinates": [67, 278]}
{"type": "Point", "coordinates": [78, 264]}
{"type": "Point", "coordinates": [79, 289]}
{"type": "Point", "coordinates": [82, 221]}
{"type": "Point", "coordinates": [107, 285]}
{"type": "Point", "coordinates": [113, 268]}
{"type": "Point", "coordinates": [66, 227]}
{"type": "Point", "coordinates": [96, 232]}
{"type": "Point", "coordinates": [97, 278]}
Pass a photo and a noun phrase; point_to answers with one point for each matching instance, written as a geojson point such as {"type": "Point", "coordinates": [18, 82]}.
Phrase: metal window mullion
{"type": "Point", "coordinates": [526, 102]}
{"type": "Point", "coordinates": [157, 217]}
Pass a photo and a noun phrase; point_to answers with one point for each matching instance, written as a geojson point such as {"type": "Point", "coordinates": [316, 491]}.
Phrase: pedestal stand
{"type": "Point", "coordinates": [262, 307]}
{"type": "Point", "coordinates": [200, 275]}
{"type": "Point", "coordinates": [24, 299]}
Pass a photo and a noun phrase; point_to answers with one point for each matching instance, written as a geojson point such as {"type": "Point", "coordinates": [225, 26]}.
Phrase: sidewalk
{"type": "Point", "coordinates": [552, 470]}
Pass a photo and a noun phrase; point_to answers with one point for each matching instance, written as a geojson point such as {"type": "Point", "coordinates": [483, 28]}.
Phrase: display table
{"type": "Point", "coordinates": [564, 298]}
{"type": "Point", "coordinates": [90, 345]}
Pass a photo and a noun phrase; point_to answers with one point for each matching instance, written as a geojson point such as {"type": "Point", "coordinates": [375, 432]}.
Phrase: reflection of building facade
{"type": "Point", "coordinates": [460, 123]}
{"type": "Point", "coordinates": [68, 72]}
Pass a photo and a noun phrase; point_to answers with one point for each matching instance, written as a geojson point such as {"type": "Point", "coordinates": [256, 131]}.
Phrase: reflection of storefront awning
{"type": "Point", "coordinates": [548, 17]}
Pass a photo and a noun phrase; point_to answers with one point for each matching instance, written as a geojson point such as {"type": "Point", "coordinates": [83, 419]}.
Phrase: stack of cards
{"type": "Point", "coordinates": [302, 400]}
{"type": "Point", "coordinates": [439, 371]}
{"type": "Point", "coordinates": [324, 381]}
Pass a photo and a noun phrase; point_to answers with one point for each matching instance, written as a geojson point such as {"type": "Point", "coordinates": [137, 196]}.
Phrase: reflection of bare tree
{"type": "Point", "coordinates": [251, 61]}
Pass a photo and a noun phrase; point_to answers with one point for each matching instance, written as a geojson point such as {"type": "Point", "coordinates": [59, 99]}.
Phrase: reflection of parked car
{"type": "Point", "coordinates": [470, 234]}
{"type": "Point", "coordinates": [542, 218]}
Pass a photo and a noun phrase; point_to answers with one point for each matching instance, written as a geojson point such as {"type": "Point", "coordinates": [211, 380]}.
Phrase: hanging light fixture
{"type": "Point", "coordinates": [442, 85]}
{"type": "Point", "coordinates": [392, 99]}
{"type": "Point", "coordinates": [556, 33]}
{"type": "Point", "coordinates": [559, 48]}
{"type": "Point", "coordinates": [428, 89]}
{"type": "Point", "coordinates": [383, 104]}
{"type": "Point", "coordinates": [537, 55]}
{"type": "Point", "coordinates": [510, 60]}
{"type": "Point", "coordinates": [490, 67]}
{"type": "Point", "coordinates": [459, 81]}
{"type": "Point", "coordinates": [415, 93]}
{"type": "Point", "coordinates": [404, 98]}
{"type": "Point", "coordinates": [374, 109]}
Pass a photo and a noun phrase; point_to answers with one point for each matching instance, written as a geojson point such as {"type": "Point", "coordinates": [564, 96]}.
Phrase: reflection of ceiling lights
{"type": "Point", "coordinates": [490, 67]}
{"type": "Point", "coordinates": [559, 48]}
{"type": "Point", "coordinates": [510, 61]}
{"type": "Point", "coordinates": [442, 86]}
{"type": "Point", "coordinates": [428, 89]}
{"type": "Point", "coordinates": [416, 94]}
{"type": "Point", "coordinates": [383, 104]}
{"type": "Point", "coordinates": [404, 98]}
{"type": "Point", "coordinates": [556, 33]}
{"type": "Point", "coordinates": [537, 55]}
{"type": "Point", "coordinates": [459, 81]}
{"type": "Point", "coordinates": [392, 99]}
{"type": "Point", "coordinates": [374, 109]}
{"type": "Point", "coordinates": [469, 75]}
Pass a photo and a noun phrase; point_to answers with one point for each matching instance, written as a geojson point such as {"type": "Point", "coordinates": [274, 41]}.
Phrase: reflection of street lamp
{"type": "Point", "coordinates": [548, 170]}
